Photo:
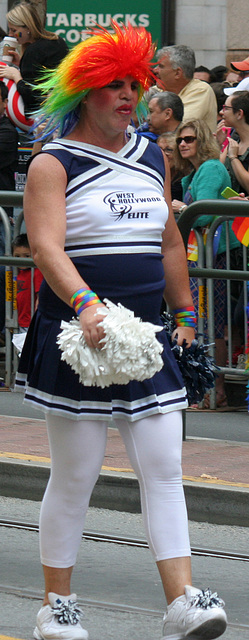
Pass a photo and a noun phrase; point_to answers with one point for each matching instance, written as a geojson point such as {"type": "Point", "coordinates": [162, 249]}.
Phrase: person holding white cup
{"type": "Point", "coordinates": [9, 49]}
{"type": "Point", "coordinates": [39, 50]}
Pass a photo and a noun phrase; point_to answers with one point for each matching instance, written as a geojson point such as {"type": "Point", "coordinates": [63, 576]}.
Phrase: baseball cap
{"type": "Point", "coordinates": [242, 86]}
{"type": "Point", "coordinates": [242, 65]}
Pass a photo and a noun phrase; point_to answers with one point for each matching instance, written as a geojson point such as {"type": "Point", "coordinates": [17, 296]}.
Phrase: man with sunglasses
{"type": "Point", "coordinates": [175, 71]}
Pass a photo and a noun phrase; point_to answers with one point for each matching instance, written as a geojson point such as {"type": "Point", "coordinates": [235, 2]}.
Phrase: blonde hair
{"type": "Point", "coordinates": [170, 136]}
{"type": "Point", "coordinates": [25, 14]}
{"type": "Point", "coordinates": [207, 147]}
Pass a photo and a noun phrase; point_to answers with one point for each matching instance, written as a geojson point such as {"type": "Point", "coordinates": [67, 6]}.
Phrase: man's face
{"type": "Point", "coordinates": [156, 118]}
{"type": "Point", "coordinates": [3, 105]}
{"type": "Point", "coordinates": [167, 75]}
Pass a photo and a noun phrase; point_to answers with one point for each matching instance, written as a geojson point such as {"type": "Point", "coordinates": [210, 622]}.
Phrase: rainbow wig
{"type": "Point", "coordinates": [93, 64]}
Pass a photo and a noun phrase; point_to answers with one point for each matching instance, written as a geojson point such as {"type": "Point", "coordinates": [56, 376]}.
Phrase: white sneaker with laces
{"type": "Point", "coordinates": [59, 620]}
{"type": "Point", "coordinates": [197, 615]}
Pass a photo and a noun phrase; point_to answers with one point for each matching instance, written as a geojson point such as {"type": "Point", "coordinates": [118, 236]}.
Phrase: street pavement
{"type": "Point", "coordinates": [118, 586]}
{"type": "Point", "coordinates": [216, 483]}
{"type": "Point", "coordinates": [215, 470]}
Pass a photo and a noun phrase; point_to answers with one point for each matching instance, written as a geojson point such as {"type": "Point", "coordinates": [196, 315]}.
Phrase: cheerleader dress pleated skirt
{"type": "Point", "coordinates": [51, 385]}
{"type": "Point", "coordinates": [116, 215]}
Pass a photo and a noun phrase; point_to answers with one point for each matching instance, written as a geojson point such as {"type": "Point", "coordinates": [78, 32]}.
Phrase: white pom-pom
{"type": "Point", "coordinates": [130, 349]}
{"type": "Point", "coordinates": [18, 340]}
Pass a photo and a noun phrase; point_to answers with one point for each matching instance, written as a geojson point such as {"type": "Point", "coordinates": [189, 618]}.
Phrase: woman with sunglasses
{"type": "Point", "coordinates": [198, 156]}
{"type": "Point", "coordinates": [235, 114]}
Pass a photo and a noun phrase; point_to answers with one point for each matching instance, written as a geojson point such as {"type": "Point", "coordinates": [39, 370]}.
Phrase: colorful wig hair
{"type": "Point", "coordinates": [93, 64]}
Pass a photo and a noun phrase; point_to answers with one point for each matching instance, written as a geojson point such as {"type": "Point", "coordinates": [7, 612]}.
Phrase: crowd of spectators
{"type": "Point", "coordinates": [188, 107]}
{"type": "Point", "coordinates": [206, 152]}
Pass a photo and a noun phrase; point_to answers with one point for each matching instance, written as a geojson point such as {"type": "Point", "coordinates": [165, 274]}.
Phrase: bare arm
{"type": "Point", "coordinates": [221, 136]}
{"type": "Point", "coordinates": [177, 291]}
{"type": "Point", "coordinates": [45, 217]}
{"type": "Point", "coordinates": [240, 172]}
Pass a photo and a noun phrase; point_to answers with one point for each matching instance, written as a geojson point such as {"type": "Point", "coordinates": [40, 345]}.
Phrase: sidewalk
{"type": "Point", "coordinates": [215, 472]}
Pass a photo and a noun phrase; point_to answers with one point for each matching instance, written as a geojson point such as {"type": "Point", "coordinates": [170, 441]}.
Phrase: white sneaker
{"type": "Point", "coordinates": [197, 615]}
{"type": "Point", "coordinates": [59, 620]}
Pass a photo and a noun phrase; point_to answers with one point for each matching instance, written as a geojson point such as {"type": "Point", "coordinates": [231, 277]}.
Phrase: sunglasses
{"type": "Point", "coordinates": [187, 139]}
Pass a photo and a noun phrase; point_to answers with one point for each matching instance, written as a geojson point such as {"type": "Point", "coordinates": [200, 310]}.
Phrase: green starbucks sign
{"type": "Point", "coordinates": [72, 20]}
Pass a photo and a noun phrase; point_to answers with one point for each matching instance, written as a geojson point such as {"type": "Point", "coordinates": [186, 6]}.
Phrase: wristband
{"type": "Point", "coordinates": [185, 317]}
{"type": "Point", "coordinates": [182, 208]}
{"type": "Point", "coordinates": [82, 299]}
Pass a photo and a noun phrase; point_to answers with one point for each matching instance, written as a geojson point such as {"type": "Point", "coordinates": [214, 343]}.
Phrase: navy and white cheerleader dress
{"type": "Point", "coordinates": [116, 214]}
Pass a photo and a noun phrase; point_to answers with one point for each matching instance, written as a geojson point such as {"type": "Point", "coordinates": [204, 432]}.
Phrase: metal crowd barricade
{"type": "Point", "coordinates": [10, 198]}
{"type": "Point", "coordinates": [223, 211]}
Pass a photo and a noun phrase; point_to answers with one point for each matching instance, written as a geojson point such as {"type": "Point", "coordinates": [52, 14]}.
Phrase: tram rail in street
{"type": "Point", "coordinates": [96, 536]}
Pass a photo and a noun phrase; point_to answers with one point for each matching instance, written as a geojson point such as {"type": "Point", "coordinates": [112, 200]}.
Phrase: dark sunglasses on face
{"type": "Point", "coordinates": [187, 139]}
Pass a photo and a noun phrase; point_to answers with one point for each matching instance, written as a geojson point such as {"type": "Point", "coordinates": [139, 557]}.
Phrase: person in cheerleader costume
{"type": "Point", "coordinates": [100, 225]}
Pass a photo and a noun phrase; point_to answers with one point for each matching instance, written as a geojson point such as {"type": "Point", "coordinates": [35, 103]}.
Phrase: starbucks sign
{"type": "Point", "coordinates": [70, 22]}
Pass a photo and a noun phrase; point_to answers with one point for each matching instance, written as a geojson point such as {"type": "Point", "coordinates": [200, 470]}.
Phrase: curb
{"type": "Point", "coordinates": [120, 491]}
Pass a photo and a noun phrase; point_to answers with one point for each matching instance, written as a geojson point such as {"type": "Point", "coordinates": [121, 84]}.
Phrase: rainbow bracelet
{"type": "Point", "coordinates": [82, 299]}
{"type": "Point", "coordinates": [185, 317]}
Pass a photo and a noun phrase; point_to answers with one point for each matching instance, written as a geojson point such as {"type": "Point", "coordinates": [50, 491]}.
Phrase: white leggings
{"type": "Point", "coordinates": [77, 452]}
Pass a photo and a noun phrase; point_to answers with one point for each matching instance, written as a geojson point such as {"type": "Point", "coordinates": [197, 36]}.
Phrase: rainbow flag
{"type": "Point", "coordinates": [240, 227]}
{"type": "Point", "coordinates": [247, 347]}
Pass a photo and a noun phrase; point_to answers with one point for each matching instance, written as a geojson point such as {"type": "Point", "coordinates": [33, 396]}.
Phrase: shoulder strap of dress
{"type": "Point", "coordinates": [111, 160]}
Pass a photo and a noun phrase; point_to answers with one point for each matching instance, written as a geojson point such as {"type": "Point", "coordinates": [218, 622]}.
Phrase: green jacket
{"type": "Point", "coordinates": [207, 183]}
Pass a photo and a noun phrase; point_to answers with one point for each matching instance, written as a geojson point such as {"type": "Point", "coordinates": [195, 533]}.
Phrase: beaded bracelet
{"type": "Point", "coordinates": [82, 299]}
{"type": "Point", "coordinates": [185, 317]}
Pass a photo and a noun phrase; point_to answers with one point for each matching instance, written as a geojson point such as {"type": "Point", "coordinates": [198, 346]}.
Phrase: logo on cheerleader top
{"type": "Point", "coordinates": [15, 106]}
{"type": "Point", "coordinates": [119, 202]}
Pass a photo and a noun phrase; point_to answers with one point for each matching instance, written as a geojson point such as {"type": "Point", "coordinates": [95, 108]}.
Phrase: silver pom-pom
{"type": "Point", "coordinates": [130, 349]}
{"type": "Point", "coordinates": [67, 612]}
{"type": "Point", "coordinates": [206, 600]}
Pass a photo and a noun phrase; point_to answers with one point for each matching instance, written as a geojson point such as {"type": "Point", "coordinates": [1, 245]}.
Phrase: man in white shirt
{"type": "Point", "coordinates": [175, 71]}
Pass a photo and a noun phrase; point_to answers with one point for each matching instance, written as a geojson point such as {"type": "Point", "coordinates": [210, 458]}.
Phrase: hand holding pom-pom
{"type": "Point", "coordinates": [198, 369]}
{"type": "Point", "coordinates": [130, 350]}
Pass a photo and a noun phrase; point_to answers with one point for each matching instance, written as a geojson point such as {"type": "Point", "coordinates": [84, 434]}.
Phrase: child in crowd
{"type": "Point", "coordinates": [21, 249]}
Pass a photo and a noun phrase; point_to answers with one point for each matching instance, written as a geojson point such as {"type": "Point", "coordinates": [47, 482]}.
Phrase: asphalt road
{"type": "Point", "coordinates": [118, 587]}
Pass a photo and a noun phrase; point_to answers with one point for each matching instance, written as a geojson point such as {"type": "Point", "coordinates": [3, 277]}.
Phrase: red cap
{"type": "Point", "coordinates": [243, 65]}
